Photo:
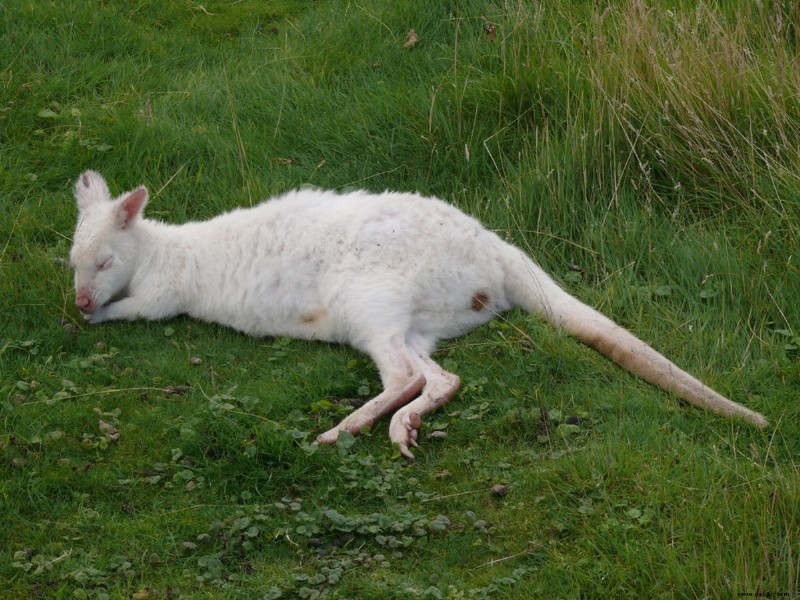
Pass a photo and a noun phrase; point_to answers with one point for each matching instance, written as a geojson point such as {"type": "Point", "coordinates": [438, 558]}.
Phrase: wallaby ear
{"type": "Point", "coordinates": [90, 189]}
{"type": "Point", "coordinates": [130, 207]}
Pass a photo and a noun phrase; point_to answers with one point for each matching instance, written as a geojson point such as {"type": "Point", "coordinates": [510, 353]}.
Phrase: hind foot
{"type": "Point", "coordinates": [404, 430]}
{"type": "Point", "coordinates": [355, 424]}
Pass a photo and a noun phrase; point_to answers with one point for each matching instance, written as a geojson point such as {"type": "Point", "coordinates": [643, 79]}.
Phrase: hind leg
{"type": "Point", "coordinates": [440, 386]}
{"type": "Point", "coordinates": [402, 381]}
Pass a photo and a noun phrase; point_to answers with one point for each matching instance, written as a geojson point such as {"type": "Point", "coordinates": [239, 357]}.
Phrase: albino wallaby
{"type": "Point", "coordinates": [391, 274]}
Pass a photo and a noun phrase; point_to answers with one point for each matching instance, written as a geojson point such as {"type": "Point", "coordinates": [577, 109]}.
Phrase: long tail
{"type": "Point", "coordinates": [532, 289]}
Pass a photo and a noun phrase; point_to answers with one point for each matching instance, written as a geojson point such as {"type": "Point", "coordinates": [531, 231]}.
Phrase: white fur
{"type": "Point", "coordinates": [390, 274]}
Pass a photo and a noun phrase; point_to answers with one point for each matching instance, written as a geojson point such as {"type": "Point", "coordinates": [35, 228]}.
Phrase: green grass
{"type": "Point", "coordinates": [646, 154]}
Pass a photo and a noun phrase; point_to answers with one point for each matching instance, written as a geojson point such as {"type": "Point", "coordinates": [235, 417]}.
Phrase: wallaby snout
{"type": "Point", "coordinates": [85, 303]}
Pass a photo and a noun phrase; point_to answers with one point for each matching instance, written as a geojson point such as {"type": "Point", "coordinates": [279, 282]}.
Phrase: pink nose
{"type": "Point", "coordinates": [84, 303]}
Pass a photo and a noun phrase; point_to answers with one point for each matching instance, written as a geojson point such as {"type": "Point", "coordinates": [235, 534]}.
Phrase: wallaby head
{"type": "Point", "coordinates": [105, 245]}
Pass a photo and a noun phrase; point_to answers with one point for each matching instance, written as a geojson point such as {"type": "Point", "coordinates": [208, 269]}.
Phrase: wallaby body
{"type": "Point", "coordinates": [390, 274]}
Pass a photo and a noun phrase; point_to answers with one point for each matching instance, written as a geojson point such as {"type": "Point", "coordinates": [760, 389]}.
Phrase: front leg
{"type": "Point", "coordinates": [125, 309]}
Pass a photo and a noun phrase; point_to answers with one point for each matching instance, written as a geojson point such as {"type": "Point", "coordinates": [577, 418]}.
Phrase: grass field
{"type": "Point", "coordinates": [646, 154]}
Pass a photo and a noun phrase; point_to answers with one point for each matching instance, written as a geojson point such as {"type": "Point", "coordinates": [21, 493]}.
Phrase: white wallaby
{"type": "Point", "coordinates": [390, 274]}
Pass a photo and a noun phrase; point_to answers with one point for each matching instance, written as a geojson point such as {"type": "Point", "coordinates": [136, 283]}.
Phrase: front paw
{"type": "Point", "coordinates": [98, 316]}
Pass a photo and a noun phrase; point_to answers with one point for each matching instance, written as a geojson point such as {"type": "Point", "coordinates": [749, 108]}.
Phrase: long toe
{"type": "Point", "coordinates": [403, 431]}
{"type": "Point", "coordinates": [329, 437]}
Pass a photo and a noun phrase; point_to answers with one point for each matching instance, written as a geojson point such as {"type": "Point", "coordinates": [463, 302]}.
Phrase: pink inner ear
{"type": "Point", "coordinates": [90, 189]}
{"type": "Point", "coordinates": [131, 206]}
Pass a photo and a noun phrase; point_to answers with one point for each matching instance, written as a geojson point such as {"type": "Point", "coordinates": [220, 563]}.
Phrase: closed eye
{"type": "Point", "coordinates": [105, 264]}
